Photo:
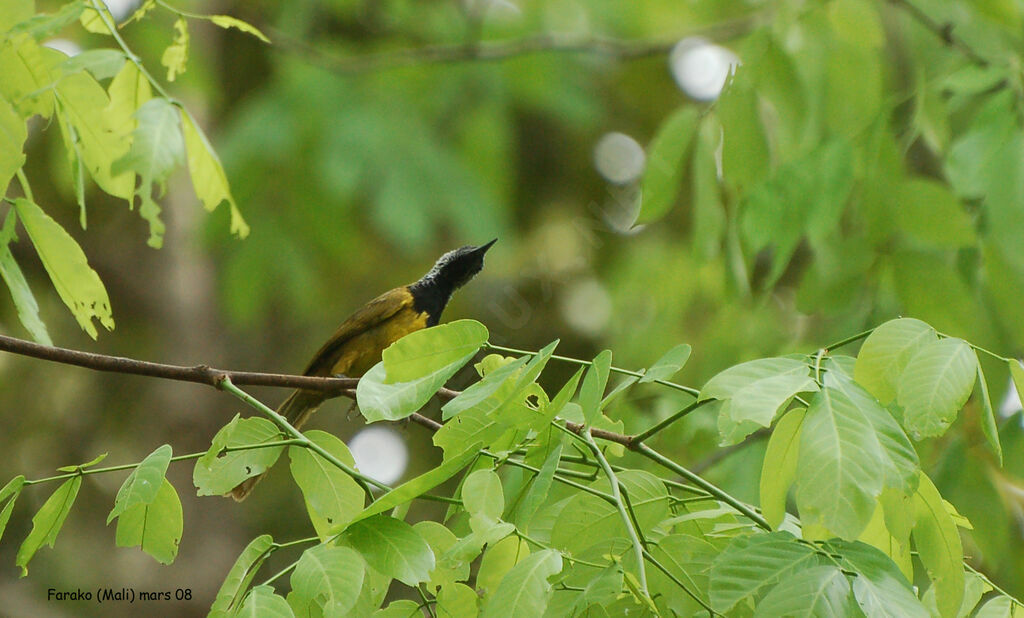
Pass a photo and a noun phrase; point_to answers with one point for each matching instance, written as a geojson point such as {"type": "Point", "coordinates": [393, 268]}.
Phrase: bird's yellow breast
{"type": "Point", "coordinates": [363, 351]}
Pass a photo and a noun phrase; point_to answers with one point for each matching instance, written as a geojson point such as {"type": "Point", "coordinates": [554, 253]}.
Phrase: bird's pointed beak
{"type": "Point", "coordinates": [482, 249]}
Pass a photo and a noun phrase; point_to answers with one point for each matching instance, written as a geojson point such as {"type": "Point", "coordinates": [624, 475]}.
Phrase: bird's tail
{"type": "Point", "coordinates": [297, 409]}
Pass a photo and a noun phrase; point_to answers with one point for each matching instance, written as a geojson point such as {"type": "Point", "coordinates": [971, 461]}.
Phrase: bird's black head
{"type": "Point", "coordinates": [455, 268]}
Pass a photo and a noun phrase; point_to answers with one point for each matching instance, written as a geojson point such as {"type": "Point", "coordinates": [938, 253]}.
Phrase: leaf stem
{"type": "Point", "coordinates": [643, 435]}
{"type": "Point", "coordinates": [363, 480]}
{"type": "Point", "coordinates": [586, 363]}
{"type": "Point", "coordinates": [112, 27]}
{"type": "Point", "coordinates": [627, 521]}
{"type": "Point", "coordinates": [849, 340]}
{"type": "Point", "coordinates": [715, 491]}
{"type": "Point", "coordinates": [25, 187]}
{"type": "Point", "coordinates": [228, 449]}
{"type": "Point", "coordinates": [693, 595]}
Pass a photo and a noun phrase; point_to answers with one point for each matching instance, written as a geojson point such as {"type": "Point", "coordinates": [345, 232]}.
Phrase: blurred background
{"type": "Point", "coordinates": [357, 163]}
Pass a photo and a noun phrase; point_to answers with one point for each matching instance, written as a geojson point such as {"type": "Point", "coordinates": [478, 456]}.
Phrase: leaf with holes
{"type": "Point", "coordinates": [218, 472]}
{"type": "Point", "coordinates": [331, 494]}
{"type": "Point", "coordinates": [154, 526]}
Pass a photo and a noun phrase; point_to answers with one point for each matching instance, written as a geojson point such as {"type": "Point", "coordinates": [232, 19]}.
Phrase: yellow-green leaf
{"type": "Point", "coordinates": [938, 544]}
{"type": "Point", "coordinates": [83, 103]}
{"type": "Point", "coordinates": [96, 23]}
{"type": "Point", "coordinates": [12, 139]}
{"type": "Point", "coordinates": [176, 54]}
{"type": "Point", "coordinates": [226, 21]}
{"type": "Point", "coordinates": [779, 469]}
{"type": "Point", "coordinates": [28, 72]}
{"type": "Point", "coordinates": [208, 177]}
{"type": "Point", "coordinates": [155, 527]}
{"type": "Point", "coordinates": [48, 521]}
{"type": "Point", "coordinates": [76, 282]}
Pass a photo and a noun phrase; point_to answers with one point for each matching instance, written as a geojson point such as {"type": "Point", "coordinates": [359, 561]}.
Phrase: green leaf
{"type": "Point", "coordinates": [93, 22]}
{"type": "Point", "coordinates": [441, 539]}
{"type": "Point", "coordinates": [474, 426]}
{"type": "Point", "coordinates": [537, 493]}
{"type": "Point", "coordinates": [755, 392]}
{"type": "Point", "coordinates": [745, 155]}
{"type": "Point", "coordinates": [665, 164]}
{"type": "Point", "coordinates": [1001, 606]}
{"type": "Point", "coordinates": [938, 545]}
{"type": "Point", "coordinates": [422, 483]}
{"type": "Point", "coordinates": [935, 384]}
{"type": "Point", "coordinates": [330, 493]}
{"type": "Point", "coordinates": [426, 359]}
{"type": "Point", "coordinates": [154, 526]}
{"type": "Point", "coordinates": [988, 416]}
{"type": "Point", "coordinates": [102, 63]}
{"type": "Point", "coordinates": [752, 564]}
{"type": "Point", "coordinates": [899, 459]}
{"type": "Point", "coordinates": [29, 72]}
{"type": "Point", "coordinates": [491, 392]}
{"type": "Point", "coordinates": [928, 212]}
{"type": "Point", "coordinates": [482, 495]}
{"type": "Point", "coordinates": [853, 86]}
{"type": "Point", "coordinates": [241, 575]}
{"type": "Point", "coordinates": [24, 300]}
{"type": "Point", "coordinates": [157, 149]}
{"type": "Point", "coordinates": [589, 521]}
{"type": "Point", "coordinates": [880, 588]}
{"type": "Point", "coordinates": [13, 134]}
{"type": "Point", "coordinates": [226, 21]}
{"type": "Point", "coordinates": [399, 609]}
{"type": "Point", "coordinates": [8, 495]}
{"type": "Point", "coordinates": [456, 601]}
{"type": "Point", "coordinates": [217, 474]}
{"type": "Point", "coordinates": [886, 352]}
{"type": "Point", "coordinates": [83, 105]}
{"type": "Point", "coordinates": [263, 602]}
{"type": "Point", "coordinates": [779, 468]}
{"type": "Point", "coordinates": [143, 484]}
{"type": "Point", "coordinates": [498, 560]}
{"type": "Point", "coordinates": [856, 22]}
{"type": "Point", "coordinates": [709, 220]}
{"type": "Point", "coordinates": [1004, 192]}
{"type": "Point", "coordinates": [668, 365]}
{"type": "Point", "coordinates": [392, 547]}
{"type": "Point", "coordinates": [446, 348]}
{"type": "Point", "coordinates": [689, 558]}
{"type": "Point", "coordinates": [820, 591]}
{"type": "Point", "coordinates": [1017, 375]}
{"type": "Point", "coordinates": [838, 476]}
{"type": "Point", "coordinates": [327, 578]}
{"type": "Point", "coordinates": [14, 12]}
{"type": "Point", "coordinates": [76, 282]}
{"type": "Point", "coordinates": [47, 522]}
{"type": "Point", "coordinates": [525, 590]}
{"type": "Point", "coordinates": [594, 382]}
{"type": "Point", "coordinates": [176, 54]}
{"type": "Point", "coordinates": [208, 177]}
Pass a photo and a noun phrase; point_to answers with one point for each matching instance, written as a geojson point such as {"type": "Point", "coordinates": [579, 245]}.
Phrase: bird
{"type": "Point", "coordinates": [357, 345]}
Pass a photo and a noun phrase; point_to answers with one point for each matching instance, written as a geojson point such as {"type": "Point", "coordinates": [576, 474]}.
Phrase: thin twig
{"type": "Point", "coordinates": [942, 30]}
{"type": "Point", "coordinates": [627, 521]}
{"type": "Point", "coordinates": [498, 51]}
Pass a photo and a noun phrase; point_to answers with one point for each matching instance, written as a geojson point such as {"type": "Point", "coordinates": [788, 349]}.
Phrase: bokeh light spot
{"type": "Point", "coordinates": [380, 453]}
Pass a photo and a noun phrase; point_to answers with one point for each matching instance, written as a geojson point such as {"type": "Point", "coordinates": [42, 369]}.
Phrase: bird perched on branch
{"type": "Point", "coordinates": [358, 343]}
